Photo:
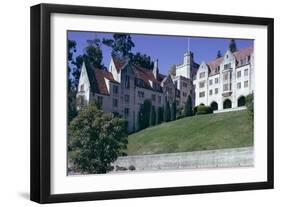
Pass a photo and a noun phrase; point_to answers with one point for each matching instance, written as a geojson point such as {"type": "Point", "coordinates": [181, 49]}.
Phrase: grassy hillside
{"type": "Point", "coordinates": [204, 132]}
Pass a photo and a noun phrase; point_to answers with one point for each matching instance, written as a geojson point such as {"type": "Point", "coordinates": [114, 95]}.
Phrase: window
{"type": "Point", "coordinates": [115, 102]}
{"type": "Point", "coordinates": [82, 87]}
{"type": "Point", "coordinates": [126, 112]}
{"type": "Point", "coordinates": [210, 92]}
{"type": "Point", "coordinates": [127, 98]}
{"type": "Point", "coordinates": [238, 74]}
{"type": "Point", "coordinates": [225, 76]}
{"type": "Point", "coordinates": [227, 66]}
{"type": "Point", "coordinates": [184, 94]}
{"type": "Point", "coordinates": [140, 94]}
{"type": "Point", "coordinates": [184, 85]}
{"type": "Point", "coordinates": [202, 94]}
{"type": "Point", "coordinates": [159, 99]}
{"type": "Point", "coordinates": [246, 83]}
{"type": "Point", "coordinates": [202, 84]}
{"type": "Point", "coordinates": [216, 80]}
{"type": "Point", "coordinates": [202, 75]}
{"type": "Point", "coordinates": [225, 87]}
{"type": "Point", "coordinates": [115, 89]}
{"type": "Point", "coordinates": [216, 90]}
{"type": "Point", "coordinates": [211, 82]}
{"type": "Point", "coordinates": [127, 81]}
{"type": "Point", "coordinates": [246, 72]}
{"type": "Point", "coordinates": [238, 85]}
{"type": "Point", "coordinates": [153, 97]}
{"type": "Point", "coordinates": [100, 100]}
{"type": "Point", "coordinates": [176, 84]}
{"type": "Point", "coordinates": [243, 61]}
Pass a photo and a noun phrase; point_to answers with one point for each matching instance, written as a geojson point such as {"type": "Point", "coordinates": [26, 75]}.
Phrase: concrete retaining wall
{"type": "Point", "coordinates": [234, 157]}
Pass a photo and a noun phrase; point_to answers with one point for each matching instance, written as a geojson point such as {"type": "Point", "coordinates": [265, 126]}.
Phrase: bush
{"type": "Point", "coordinates": [188, 107]}
{"type": "Point", "coordinates": [132, 167]}
{"type": "Point", "coordinates": [201, 109]}
{"type": "Point", "coordinates": [96, 139]}
{"type": "Point", "coordinates": [180, 116]}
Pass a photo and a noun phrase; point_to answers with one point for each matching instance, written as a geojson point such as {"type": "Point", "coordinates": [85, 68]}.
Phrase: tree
{"type": "Point", "coordinates": [159, 115]}
{"type": "Point", "coordinates": [121, 45]}
{"type": "Point", "coordinates": [71, 95]}
{"type": "Point", "coordinates": [188, 107]}
{"type": "Point", "coordinates": [219, 54]}
{"type": "Point", "coordinates": [167, 112]}
{"type": "Point", "coordinates": [92, 56]}
{"type": "Point", "coordinates": [147, 109]}
{"type": "Point", "coordinates": [96, 139]}
{"type": "Point", "coordinates": [144, 114]}
{"type": "Point", "coordinates": [174, 111]}
{"type": "Point", "coordinates": [250, 105]}
{"type": "Point", "coordinates": [172, 70]}
{"type": "Point", "coordinates": [142, 60]}
{"type": "Point", "coordinates": [152, 118]}
{"type": "Point", "coordinates": [232, 46]}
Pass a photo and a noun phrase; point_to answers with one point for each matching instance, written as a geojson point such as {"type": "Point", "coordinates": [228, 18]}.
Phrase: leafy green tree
{"type": "Point", "coordinates": [121, 45]}
{"type": "Point", "coordinates": [188, 107]}
{"type": "Point", "coordinates": [142, 60]}
{"type": "Point", "coordinates": [152, 119]}
{"type": "Point", "coordinates": [96, 139]}
{"type": "Point", "coordinates": [147, 108]}
{"type": "Point", "coordinates": [159, 115]}
{"type": "Point", "coordinates": [144, 114]}
{"type": "Point", "coordinates": [232, 46]}
{"type": "Point", "coordinates": [250, 105]}
{"type": "Point", "coordinates": [167, 112]}
{"type": "Point", "coordinates": [71, 95]}
{"type": "Point", "coordinates": [92, 55]}
{"type": "Point", "coordinates": [174, 111]}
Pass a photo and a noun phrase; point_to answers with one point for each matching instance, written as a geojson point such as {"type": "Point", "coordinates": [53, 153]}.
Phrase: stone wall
{"type": "Point", "coordinates": [234, 157]}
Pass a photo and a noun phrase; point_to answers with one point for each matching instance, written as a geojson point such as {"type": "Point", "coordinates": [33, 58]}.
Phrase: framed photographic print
{"type": "Point", "coordinates": [133, 103]}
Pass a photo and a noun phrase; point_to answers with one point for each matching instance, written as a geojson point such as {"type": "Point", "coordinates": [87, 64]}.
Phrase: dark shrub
{"type": "Point", "coordinates": [132, 167]}
{"type": "Point", "coordinates": [180, 116]}
{"type": "Point", "coordinates": [201, 109]}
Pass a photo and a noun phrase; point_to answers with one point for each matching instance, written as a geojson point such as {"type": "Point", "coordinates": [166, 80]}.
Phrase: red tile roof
{"type": "Point", "coordinates": [243, 53]}
{"type": "Point", "coordinates": [119, 63]}
{"type": "Point", "coordinates": [213, 64]}
{"type": "Point", "coordinates": [146, 75]}
{"type": "Point", "coordinates": [100, 75]}
{"type": "Point", "coordinates": [240, 54]}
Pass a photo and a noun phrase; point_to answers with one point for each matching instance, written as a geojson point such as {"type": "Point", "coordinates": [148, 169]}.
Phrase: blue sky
{"type": "Point", "coordinates": [167, 49]}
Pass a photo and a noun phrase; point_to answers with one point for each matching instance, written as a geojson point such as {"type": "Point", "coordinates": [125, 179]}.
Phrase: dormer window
{"type": "Point", "coordinates": [82, 87]}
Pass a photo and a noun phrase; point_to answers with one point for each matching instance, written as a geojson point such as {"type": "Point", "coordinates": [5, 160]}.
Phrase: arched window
{"type": "Point", "coordinates": [214, 106]}
{"type": "Point", "coordinates": [241, 101]}
{"type": "Point", "coordinates": [227, 104]}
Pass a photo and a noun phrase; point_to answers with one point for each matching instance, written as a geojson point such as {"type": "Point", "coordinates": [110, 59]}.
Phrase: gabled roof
{"type": "Point", "coordinates": [243, 53]}
{"type": "Point", "coordinates": [161, 77]}
{"type": "Point", "coordinates": [146, 75]}
{"type": "Point", "coordinates": [213, 64]}
{"type": "Point", "coordinates": [97, 79]}
{"type": "Point", "coordinates": [119, 63]}
{"type": "Point", "coordinates": [240, 54]}
{"type": "Point", "coordinates": [100, 76]}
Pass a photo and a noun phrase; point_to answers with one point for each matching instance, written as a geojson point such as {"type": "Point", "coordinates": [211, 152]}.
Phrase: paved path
{"type": "Point", "coordinates": [234, 157]}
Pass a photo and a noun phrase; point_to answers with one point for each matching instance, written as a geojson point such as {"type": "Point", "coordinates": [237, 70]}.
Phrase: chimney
{"type": "Point", "coordinates": [155, 69]}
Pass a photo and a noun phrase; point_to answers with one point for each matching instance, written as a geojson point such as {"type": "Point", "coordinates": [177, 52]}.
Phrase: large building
{"type": "Point", "coordinates": [221, 83]}
{"type": "Point", "coordinates": [226, 81]}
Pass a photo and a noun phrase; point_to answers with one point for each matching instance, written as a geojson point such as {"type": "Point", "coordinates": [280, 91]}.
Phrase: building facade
{"type": "Point", "coordinates": [226, 81]}
{"type": "Point", "coordinates": [123, 88]}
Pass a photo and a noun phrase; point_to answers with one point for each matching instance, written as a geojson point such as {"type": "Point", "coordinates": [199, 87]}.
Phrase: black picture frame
{"type": "Point", "coordinates": [41, 96]}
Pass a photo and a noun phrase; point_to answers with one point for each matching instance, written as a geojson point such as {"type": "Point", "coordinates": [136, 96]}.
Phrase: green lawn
{"type": "Point", "coordinates": [204, 132]}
